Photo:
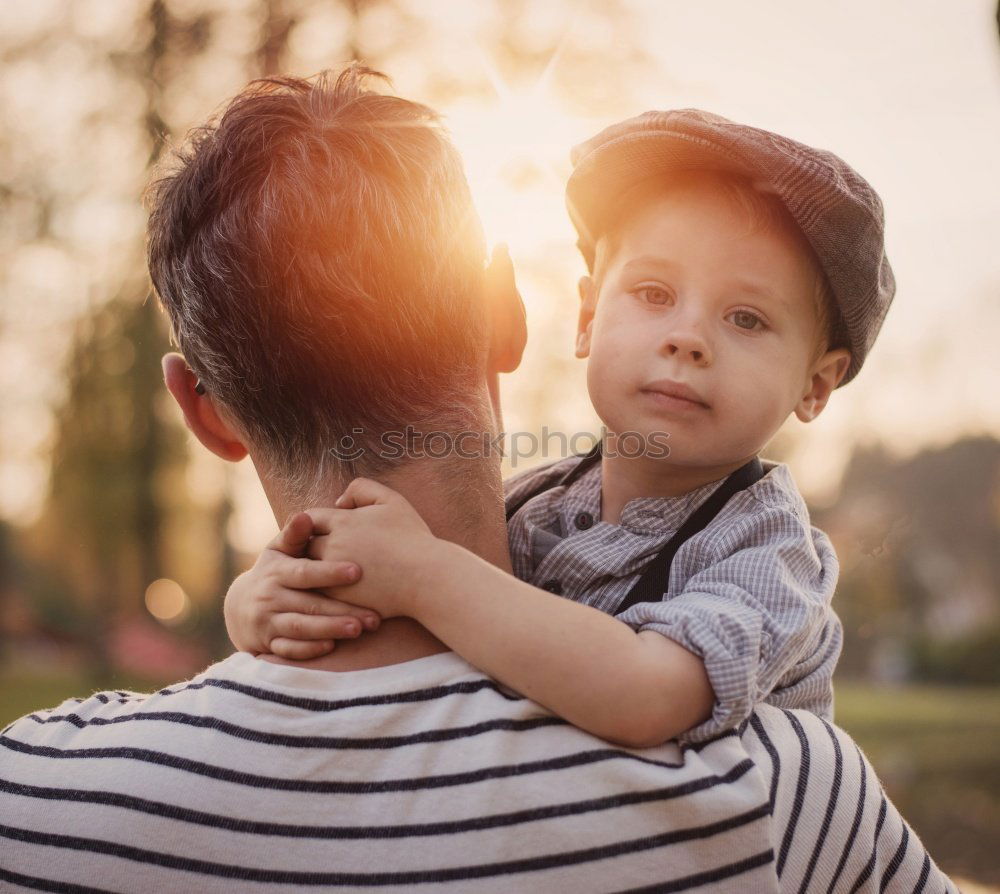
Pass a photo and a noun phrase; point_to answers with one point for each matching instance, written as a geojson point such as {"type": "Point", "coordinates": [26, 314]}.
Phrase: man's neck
{"type": "Point", "coordinates": [397, 640]}
{"type": "Point", "coordinates": [472, 516]}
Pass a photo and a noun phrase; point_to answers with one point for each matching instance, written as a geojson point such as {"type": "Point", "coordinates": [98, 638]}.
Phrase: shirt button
{"type": "Point", "coordinates": [584, 520]}
{"type": "Point", "coordinates": [553, 586]}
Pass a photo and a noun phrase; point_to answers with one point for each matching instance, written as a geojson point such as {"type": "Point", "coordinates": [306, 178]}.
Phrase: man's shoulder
{"type": "Point", "coordinates": [301, 743]}
{"type": "Point", "coordinates": [75, 713]}
{"type": "Point", "coordinates": [77, 719]}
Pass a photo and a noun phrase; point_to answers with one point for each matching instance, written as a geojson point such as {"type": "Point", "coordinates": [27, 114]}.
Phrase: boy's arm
{"type": "Point", "coordinates": [638, 689]}
{"type": "Point", "coordinates": [756, 606]}
{"type": "Point", "coordinates": [586, 666]}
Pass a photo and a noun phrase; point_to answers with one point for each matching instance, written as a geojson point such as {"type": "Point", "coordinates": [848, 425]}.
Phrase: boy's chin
{"type": "Point", "coordinates": [689, 453]}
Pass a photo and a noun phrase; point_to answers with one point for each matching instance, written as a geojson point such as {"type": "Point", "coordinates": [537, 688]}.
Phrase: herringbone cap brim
{"type": "Point", "coordinates": [836, 209]}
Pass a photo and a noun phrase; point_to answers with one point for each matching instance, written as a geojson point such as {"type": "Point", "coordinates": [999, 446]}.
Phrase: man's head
{"type": "Point", "coordinates": [702, 282]}
{"type": "Point", "coordinates": [322, 266]}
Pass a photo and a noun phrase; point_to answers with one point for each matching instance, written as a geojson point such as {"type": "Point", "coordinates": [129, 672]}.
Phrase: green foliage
{"type": "Point", "coordinates": [972, 659]}
{"type": "Point", "coordinates": [111, 448]}
{"type": "Point", "coordinates": [919, 546]}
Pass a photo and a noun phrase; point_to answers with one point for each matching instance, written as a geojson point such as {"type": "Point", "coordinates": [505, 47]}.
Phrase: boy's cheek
{"type": "Point", "coordinates": [611, 355]}
{"type": "Point", "coordinates": [606, 396]}
{"type": "Point", "coordinates": [620, 330]}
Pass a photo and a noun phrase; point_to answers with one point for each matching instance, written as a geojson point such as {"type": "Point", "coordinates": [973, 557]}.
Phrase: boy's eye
{"type": "Point", "coordinates": [746, 320]}
{"type": "Point", "coordinates": [653, 294]}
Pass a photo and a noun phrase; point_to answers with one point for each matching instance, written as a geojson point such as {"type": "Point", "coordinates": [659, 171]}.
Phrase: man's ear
{"type": "Point", "coordinates": [200, 414]}
{"type": "Point", "coordinates": [585, 322]}
{"type": "Point", "coordinates": [508, 326]}
{"type": "Point", "coordinates": [826, 375]}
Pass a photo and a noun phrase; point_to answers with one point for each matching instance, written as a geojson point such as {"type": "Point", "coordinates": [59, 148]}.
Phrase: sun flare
{"type": "Point", "coordinates": [516, 151]}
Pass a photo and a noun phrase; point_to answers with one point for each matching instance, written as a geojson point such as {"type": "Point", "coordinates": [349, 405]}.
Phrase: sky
{"type": "Point", "coordinates": [907, 91]}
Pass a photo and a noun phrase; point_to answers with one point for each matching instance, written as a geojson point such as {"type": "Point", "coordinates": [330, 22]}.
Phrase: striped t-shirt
{"type": "Point", "coordinates": [427, 776]}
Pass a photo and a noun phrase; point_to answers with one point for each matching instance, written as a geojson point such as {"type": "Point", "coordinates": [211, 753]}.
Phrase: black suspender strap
{"type": "Point", "coordinates": [653, 582]}
{"type": "Point", "coordinates": [558, 480]}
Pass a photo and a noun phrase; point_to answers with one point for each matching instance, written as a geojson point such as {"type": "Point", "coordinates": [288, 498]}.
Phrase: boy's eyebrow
{"type": "Point", "coordinates": [648, 261]}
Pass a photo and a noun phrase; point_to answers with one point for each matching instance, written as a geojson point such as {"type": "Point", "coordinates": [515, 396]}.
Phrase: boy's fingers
{"type": "Point", "coordinates": [293, 538]}
{"type": "Point", "coordinates": [305, 603]}
{"type": "Point", "coordinates": [333, 607]}
{"type": "Point", "coordinates": [326, 548]}
{"type": "Point", "coordinates": [364, 492]}
{"type": "Point", "coordinates": [318, 546]}
{"type": "Point", "coordinates": [294, 625]}
{"type": "Point", "coordinates": [300, 650]}
{"type": "Point", "coordinates": [322, 519]}
{"type": "Point", "coordinates": [311, 574]}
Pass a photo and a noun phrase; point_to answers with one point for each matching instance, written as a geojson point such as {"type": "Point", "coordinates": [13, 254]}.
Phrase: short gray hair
{"type": "Point", "coordinates": [321, 262]}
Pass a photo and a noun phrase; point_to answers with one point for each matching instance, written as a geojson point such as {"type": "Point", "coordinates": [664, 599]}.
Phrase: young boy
{"type": "Point", "coordinates": [736, 277]}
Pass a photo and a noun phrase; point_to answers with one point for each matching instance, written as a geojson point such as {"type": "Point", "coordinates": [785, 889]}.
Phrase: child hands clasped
{"type": "Point", "coordinates": [639, 689]}
{"type": "Point", "coordinates": [271, 608]}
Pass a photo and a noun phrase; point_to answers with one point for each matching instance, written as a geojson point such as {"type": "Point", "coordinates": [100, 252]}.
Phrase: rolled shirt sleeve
{"type": "Point", "coordinates": [758, 614]}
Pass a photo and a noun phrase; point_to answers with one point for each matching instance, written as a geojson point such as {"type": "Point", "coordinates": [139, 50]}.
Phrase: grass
{"type": "Point", "coordinates": [936, 749]}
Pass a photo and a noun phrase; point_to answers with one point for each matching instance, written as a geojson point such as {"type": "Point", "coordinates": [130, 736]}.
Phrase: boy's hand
{"type": "Point", "coordinates": [378, 529]}
{"type": "Point", "coordinates": [270, 607]}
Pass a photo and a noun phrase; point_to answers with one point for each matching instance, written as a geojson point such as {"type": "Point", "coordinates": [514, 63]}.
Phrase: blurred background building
{"type": "Point", "coordinates": [119, 534]}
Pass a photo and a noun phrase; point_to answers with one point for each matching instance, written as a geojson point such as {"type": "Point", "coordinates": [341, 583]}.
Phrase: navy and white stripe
{"type": "Point", "coordinates": [427, 776]}
{"type": "Point", "coordinates": [835, 828]}
{"type": "Point", "coordinates": [750, 593]}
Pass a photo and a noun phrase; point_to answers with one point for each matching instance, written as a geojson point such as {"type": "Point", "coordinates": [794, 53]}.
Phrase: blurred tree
{"type": "Point", "coordinates": [278, 22]}
{"type": "Point", "coordinates": [113, 448]}
{"type": "Point", "coordinates": [6, 578]}
{"type": "Point", "coordinates": [354, 50]}
{"type": "Point", "coordinates": [104, 514]}
{"type": "Point", "coordinates": [919, 545]}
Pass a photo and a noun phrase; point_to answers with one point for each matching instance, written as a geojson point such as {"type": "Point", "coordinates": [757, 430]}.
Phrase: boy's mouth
{"type": "Point", "coordinates": [674, 395]}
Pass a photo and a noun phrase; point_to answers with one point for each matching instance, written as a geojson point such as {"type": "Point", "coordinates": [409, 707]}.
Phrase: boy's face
{"type": "Point", "coordinates": [687, 297]}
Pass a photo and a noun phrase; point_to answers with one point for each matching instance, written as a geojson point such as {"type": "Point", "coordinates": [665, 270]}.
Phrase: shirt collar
{"type": "Point", "coordinates": [652, 515]}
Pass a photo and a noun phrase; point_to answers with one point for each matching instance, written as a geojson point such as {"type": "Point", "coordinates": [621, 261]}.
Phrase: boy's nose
{"type": "Point", "coordinates": [688, 344]}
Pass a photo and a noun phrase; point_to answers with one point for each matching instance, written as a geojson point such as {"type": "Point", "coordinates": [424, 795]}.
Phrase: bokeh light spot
{"type": "Point", "coordinates": [166, 601]}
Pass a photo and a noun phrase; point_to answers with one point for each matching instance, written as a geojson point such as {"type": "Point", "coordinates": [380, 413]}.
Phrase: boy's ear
{"type": "Point", "coordinates": [585, 322]}
{"type": "Point", "coordinates": [826, 375]}
{"type": "Point", "coordinates": [200, 413]}
{"type": "Point", "coordinates": [508, 326]}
